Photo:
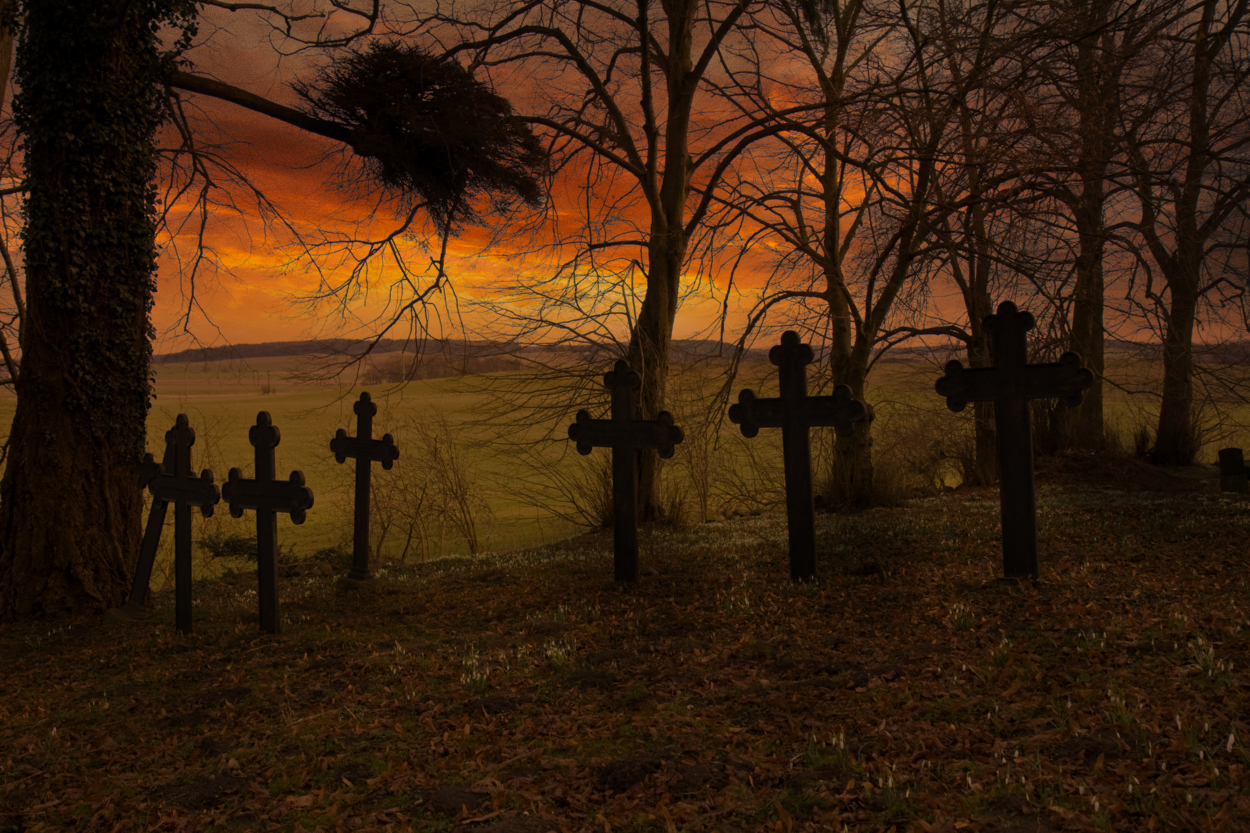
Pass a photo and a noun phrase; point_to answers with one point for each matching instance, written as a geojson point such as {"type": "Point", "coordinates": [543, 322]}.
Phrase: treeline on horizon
{"type": "Point", "coordinates": [681, 349]}
{"type": "Point", "coordinates": [1215, 353]}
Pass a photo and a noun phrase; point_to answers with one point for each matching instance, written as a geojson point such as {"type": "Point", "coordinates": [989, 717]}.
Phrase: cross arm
{"type": "Point", "coordinates": [1064, 380]}
{"type": "Point", "coordinates": [290, 496]}
{"type": "Point", "coordinates": [382, 451]}
{"type": "Point", "coordinates": [961, 385]}
{"type": "Point", "coordinates": [196, 491]}
{"type": "Point", "coordinates": [751, 413]}
{"type": "Point", "coordinates": [149, 468]}
{"type": "Point", "coordinates": [589, 433]}
{"type": "Point", "coordinates": [659, 433]}
{"type": "Point", "coordinates": [840, 410]}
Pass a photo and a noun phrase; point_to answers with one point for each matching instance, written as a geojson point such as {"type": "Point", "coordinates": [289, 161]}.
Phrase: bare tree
{"type": "Point", "coordinates": [1081, 55]}
{"type": "Point", "coordinates": [988, 233]}
{"type": "Point", "coordinates": [883, 187]}
{"type": "Point", "coordinates": [1189, 171]}
{"type": "Point", "coordinates": [84, 335]}
{"type": "Point", "coordinates": [622, 98]}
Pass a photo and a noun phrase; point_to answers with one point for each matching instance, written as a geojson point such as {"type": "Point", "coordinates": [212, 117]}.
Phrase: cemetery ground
{"type": "Point", "coordinates": [905, 689]}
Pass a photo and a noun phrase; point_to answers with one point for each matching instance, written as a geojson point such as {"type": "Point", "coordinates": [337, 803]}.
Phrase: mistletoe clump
{"type": "Point", "coordinates": [427, 130]}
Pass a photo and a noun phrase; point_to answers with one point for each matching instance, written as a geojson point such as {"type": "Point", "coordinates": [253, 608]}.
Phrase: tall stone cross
{"type": "Point", "coordinates": [1010, 384]}
{"type": "Point", "coordinates": [268, 497]}
{"type": "Point", "coordinates": [171, 481]}
{"type": "Point", "coordinates": [795, 413]}
{"type": "Point", "coordinates": [625, 435]}
{"type": "Point", "coordinates": [364, 449]}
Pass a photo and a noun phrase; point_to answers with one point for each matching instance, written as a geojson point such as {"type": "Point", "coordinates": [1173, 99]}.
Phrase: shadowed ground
{"type": "Point", "coordinates": [904, 689]}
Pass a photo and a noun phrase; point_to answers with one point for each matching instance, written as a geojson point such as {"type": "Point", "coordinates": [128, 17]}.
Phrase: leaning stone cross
{"type": "Point", "coordinates": [364, 449]}
{"type": "Point", "coordinates": [624, 435]}
{"type": "Point", "coordinates": [267, 497]}
{"type": "Point", "coordinates": [1010, 384]}
{"type": "Point", "coordinates": [795, 413]}
{"type": "Point", "coordinates": [171, 481]}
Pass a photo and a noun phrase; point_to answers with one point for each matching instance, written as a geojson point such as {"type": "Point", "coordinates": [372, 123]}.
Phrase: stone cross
{"type": "Point", "coordinates": [625, 435]}
{"type": "Point", "coordinates": [1233, 471]}
{"type": "Point", "coordinates": [268, 497]}
{"type": "Point", "coordinates": [171, 481]}
{"type": "Point", "coordinates": [364, 449]}
{"type": "Point", "coordinates": [1010, 384]}
{"type": "Point", "coordinates": [795, 413]}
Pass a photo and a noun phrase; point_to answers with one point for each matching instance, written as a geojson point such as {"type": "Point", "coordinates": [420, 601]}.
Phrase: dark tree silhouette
{"type": "Point", "coordinates": [425, 127]}
{"type": "Point", "coordinates": [93, 77]}
{"type": "Point", "coordinates": [87, 107]}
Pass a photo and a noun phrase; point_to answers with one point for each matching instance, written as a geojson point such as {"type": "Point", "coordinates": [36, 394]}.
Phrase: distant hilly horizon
{"type": "Point", "coordinates": [687, 348]}
{"type": "Point", "coordinates": [1233, 352]}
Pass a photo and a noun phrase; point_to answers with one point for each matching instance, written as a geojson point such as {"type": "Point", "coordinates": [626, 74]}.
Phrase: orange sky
{"type": "Point", "coordinates": [250, 286]}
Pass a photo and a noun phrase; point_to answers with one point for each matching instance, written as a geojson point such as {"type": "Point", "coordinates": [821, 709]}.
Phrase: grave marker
{"type": "Point", "coordinates": [1010, 384]}
{"type": "Point", "coordinates": [171, 481]}
{"type": "Point", "coordinates": [624, 435]}
{"type": "Point", "coordinates": [1233, 471]}
{"type": "Point", "coordinates": [267, 497]}
{"type": "Point", "coordinates": [795, 413]}
{"type": "Point", "coordinates": [364, 449]}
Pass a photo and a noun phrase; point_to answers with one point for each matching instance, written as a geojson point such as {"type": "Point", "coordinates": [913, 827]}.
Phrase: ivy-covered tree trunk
{"type": "Point", "coordinates": [86, 108]}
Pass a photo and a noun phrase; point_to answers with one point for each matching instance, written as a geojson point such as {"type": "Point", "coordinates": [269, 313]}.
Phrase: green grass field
{"type": "Point", "coordinates": [529, 475]}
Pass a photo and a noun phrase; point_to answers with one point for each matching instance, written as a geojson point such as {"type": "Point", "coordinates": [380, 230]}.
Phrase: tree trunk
{"type": "Point", "coordinates": [1085, 423]}
{"type": "Point", "coordinates": [851, 469]}
{"type": "Point", "coordinates": [6, 47]}
{"type": "Point", "coordinates": [1176, 439]}
{"type": "Point", "coordinates": [648, 353]}
{"type": "Point", "coordinates": [666, 248]}
{"type": "Point", "coordinates": [1098, 68]}
{"type": "Point", "coordinates": [851, 480]}
{"type": "Point", "coordinates": [70, 505]}
{"type": "Point", "coordinates": [984, 468]}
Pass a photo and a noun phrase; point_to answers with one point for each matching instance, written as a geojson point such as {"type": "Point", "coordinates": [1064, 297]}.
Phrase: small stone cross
{"type": "Point", "coordinates": [625, 435]}
{"type": "Point", "coordinates": [267, 497]}
{"type": "Point", "coordinates": [364, 449]}
{"type": "Point", "coordinates": [184, 490]}
{"type": "Point", "coordinates": [795, 413]}
{"type": "Point", "coordinates": [1010, 384]}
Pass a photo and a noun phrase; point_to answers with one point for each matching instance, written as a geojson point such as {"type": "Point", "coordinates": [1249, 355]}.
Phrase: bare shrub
{"type": "Point", "coordinates": [589, 489]}
{"type": "Point", "coordinates": [399, 506]}
{"type": "Point", "coordinates": [674, 505]}
{"type": "Point", "coordinates": [1055, 430]}
{"type": "Point", "coordinates": [916, 450]}
{"type": "Point", "coordinates": [459, 494]}
{"type": "Point", "coordinates": [432, 488]}
{"type": "Point", "coordinates": [700, 457]}
{"type": "Point", "coordinates": [754, 480]}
